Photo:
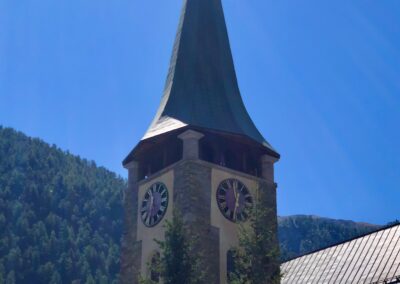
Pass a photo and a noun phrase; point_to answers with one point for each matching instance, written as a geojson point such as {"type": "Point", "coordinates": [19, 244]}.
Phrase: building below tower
{"type": "Point", "coordinates": [373, 258]}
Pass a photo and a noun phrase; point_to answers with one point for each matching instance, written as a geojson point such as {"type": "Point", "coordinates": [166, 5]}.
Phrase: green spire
{"type": "Point", "coordinates": [201, 88]}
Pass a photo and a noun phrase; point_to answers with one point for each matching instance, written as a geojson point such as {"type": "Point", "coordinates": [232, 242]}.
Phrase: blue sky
{"type": "Point", "coordinates": [321, 80]}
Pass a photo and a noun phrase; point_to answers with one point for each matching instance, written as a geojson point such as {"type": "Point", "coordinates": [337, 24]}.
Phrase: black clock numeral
{"type": "Point", "coordinates": [224, 187]}
{"type": "Point", "coordinates": [221, 199]}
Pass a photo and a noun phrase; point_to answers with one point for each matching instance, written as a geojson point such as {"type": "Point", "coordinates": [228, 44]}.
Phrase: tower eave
{"type": "Point", "coordinates": [152, 141]}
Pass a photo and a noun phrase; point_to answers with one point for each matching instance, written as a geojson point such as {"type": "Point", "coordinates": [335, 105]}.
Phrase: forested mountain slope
{"type": "Point", "coordinates": [61, 217]}
{"type": "Point", "coordinates": [301, 234]}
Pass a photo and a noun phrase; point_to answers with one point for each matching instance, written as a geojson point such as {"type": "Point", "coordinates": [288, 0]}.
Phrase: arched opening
{"type": "Point", "coordinates": [154, 267]}
{"type": "Point", "coordinates": [207, 152]}
{"type": "Point", "coordinates": [232, 159]}
{"type": "Point", "coordinates": [231, 153]}
{"type": "Point", "coordinates": [159, 156]}
{"type": "Point", "coordinates": [230, 264]}
{"type": "Point", "coordinates": [252, 166]}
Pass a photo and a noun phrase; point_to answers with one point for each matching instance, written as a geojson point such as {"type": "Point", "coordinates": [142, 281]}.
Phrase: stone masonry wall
{"type": "Point", "coordinates": [192, 197]}
{"type": "Point", "coordinates": [268, 200]}
{"type": "Point", "coordinates": [130, 248]}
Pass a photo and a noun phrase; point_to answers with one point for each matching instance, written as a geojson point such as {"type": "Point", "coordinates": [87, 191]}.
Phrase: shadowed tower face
{"type": "Point", "coordinates": [202, 153]}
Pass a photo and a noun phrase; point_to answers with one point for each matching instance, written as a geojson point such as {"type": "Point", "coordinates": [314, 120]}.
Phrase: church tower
{"type": "Point", "coordinates": [202, 154]}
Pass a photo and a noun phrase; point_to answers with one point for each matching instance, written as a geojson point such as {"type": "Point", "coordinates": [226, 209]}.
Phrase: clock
{"type": "Point", "coordinates": [154, 204]}
{"type": "Point", "coordinates": [234, 200]}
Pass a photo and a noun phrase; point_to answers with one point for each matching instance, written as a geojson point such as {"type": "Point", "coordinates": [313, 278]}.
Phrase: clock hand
{"type": "Point", "coordinates": [151, 203]}
{"type": "Point", "coordinates": [236, 194]}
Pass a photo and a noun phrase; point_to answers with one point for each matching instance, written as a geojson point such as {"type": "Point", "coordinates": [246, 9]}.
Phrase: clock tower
{"type": "Point", "coordinates": [202, 154]}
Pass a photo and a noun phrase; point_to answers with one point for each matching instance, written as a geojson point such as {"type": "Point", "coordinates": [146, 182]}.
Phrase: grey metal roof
{"type": "Point", "coordinates": [201, 88]}
{"type": "Point", "coordinates": [373, 258]}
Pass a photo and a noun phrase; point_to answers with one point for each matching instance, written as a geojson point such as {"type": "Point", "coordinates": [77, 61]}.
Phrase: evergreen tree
{"type": "Point", "coordinates": [256, 259]}
{"type": "Point", "coordinates": [11, 277]}
{"type": "Point", "coordinates": [56, 278]}
{"type": "Point", "coordinates": [89, 279]}
{"type": "Point", "coordinates": [179, 260]}
{"type": "Point", "coordinates": [60, 215]}
{"type": "Point", "coordinates": [301, 234]}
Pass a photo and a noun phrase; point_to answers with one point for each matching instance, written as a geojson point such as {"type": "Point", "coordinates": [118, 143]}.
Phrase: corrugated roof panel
{"type": "Point", "coordinates": [312, 275]}
{"type": "Point", "coordinates": [334, 251]}
{"type": "Point", "coordinates": [395, 267]}
{"type": "Point", "coordinates": [393, 255]}
{"type": "Point", "coordinates": [358, 261]}
{"type": "Point", "coordinates": [368, 256]}
{"type": "Point", "coordinates": [373, 258]}
{"type": "Point", "coordinates": [350, 262]}
{"type": "Point", "coordinates": [314, 261]}
{"type": "Point", "coordinates": [387, 247]}
{"type": "Point", "coordinates": [301, 265]}
{"type": "Point", "coordinates": [290, 266]}
{"type": "Point", "coordinates": [337, 262]}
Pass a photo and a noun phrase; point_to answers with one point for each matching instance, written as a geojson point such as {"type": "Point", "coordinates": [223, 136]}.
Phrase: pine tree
{"type": "Point", "coordinates": [11, 278]}
{"type": "Point", "coordinates": [179, 261]}
{"type": "Point", "coordinates": [56, 278]}
{"type": "Point", "coordinates": [256, 259]}
{"type": "Point", "coordinates": [51, 205]}
{"type": "Point", "coordinates": [89, 279]}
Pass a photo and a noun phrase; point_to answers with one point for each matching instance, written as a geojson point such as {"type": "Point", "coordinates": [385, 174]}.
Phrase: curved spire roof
{"type": "Point", "coordinates": [201, 88]}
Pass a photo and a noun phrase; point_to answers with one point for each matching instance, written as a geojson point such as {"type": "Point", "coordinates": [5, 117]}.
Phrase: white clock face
{"type": "Point", "coordinates": [154, 204]}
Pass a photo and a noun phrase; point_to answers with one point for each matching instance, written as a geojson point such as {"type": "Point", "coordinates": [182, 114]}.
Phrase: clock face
{"type": "Point", "coordinates": [154, 204]}
{"type": "Point", "coordinates": [234, 200]}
